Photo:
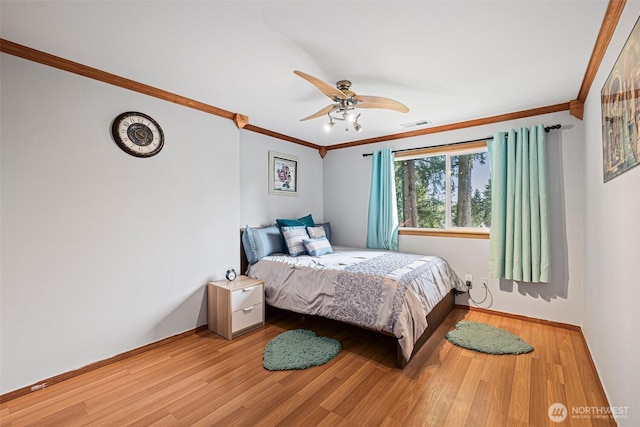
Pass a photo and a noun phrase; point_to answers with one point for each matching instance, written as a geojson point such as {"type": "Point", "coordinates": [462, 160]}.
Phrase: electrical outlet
{"type": "Point", "coordinates": [468, 280]}
{"type": "Point", "coordinates": [485, 282]}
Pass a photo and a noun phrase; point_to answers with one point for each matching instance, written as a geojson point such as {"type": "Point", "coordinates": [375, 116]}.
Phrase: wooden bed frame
{"type": "Point", "coordinates": [434, 318]}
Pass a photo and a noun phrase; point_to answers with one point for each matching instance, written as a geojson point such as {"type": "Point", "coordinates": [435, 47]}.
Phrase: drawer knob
{"type": "Point", "coordinates": [246, 290]}
{"type": "Point", "coordinates": [248, 310]}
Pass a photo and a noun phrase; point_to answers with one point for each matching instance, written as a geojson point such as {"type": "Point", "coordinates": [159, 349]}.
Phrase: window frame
{"type": "Point", "coordinates": [448, 151]}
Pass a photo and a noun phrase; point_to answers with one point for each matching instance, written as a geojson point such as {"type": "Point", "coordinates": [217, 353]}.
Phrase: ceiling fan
{"type": "Point", "coordinates": [346, 101]}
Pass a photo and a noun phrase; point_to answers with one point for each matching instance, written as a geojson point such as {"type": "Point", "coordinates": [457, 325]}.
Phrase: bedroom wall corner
{"type": "Point", "coordinates": [257, 206]}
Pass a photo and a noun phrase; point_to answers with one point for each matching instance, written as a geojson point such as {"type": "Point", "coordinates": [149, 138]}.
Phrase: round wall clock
{"type": "Point", "coordinates": [137, 134]}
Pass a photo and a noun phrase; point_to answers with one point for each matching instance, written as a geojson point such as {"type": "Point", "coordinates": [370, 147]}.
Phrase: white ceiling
{"type": "Point", "coordinates": [448, 61]}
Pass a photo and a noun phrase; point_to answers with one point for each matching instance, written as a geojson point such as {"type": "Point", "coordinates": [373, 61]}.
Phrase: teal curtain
{"type": "Point", "coordinates": [519, 245]}
{"type": "Point", "coordinates": [382, 230]}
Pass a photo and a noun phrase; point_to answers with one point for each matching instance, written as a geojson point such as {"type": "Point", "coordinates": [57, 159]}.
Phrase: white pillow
{"type": "Point", "coordinates": [316, 232]}
{"type": "Point", "coordinates": [293, 237]}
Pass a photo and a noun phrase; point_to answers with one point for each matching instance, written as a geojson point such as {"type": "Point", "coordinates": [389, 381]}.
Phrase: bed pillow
{"type": "Point", "coordinates": [316, 232]}
{"type": "Point", "coordinates": [317, 247]}
{"type": "Point", "coordinates": [305, 221]}
{"type": "Point", "coordinates": [327, 230]}
{"type": "Point", "coordinates": [261, 242]}
{"type": "Point", "coordinates": [293, 237]}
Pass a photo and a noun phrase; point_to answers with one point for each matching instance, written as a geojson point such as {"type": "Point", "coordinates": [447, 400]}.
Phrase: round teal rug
{"type": "Point", "coordinates": [487, 339]}
{"type": "Point", "coordinates": [299, 349]}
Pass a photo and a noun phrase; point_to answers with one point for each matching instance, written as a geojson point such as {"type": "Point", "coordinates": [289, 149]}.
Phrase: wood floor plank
{"type": "Point", "coordinates": [362, 406]}
{"type": "Point", "coordinates": [519, 402]}
{"type": "Point", "coordinates": [203, 379]}
{"type": "Point", "coordinates": [439, 393]}
{"type": "Point", "coordinates": [401, 396]}
{"type": "Point", "coordinates": [346, 390]}
{"type": "Point", "coordinates": [301, 409]}
{"type": "Point", "coordinates": [481, 404]}
{"type": "Point", "coordinates": [466, 392]}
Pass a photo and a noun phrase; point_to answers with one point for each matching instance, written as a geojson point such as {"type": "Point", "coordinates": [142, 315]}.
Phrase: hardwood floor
{"type": "Point", "coordinates": [206, 380]}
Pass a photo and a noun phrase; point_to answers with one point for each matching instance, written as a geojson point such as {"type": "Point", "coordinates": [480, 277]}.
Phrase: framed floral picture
{"type": "Point", "coordinates": [283, 174]}
{"type": "Point", "coordinates": [620, 98]}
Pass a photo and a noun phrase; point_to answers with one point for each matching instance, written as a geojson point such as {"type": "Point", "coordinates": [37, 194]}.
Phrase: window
{"type": "Point", "coordinates": [444, 188]}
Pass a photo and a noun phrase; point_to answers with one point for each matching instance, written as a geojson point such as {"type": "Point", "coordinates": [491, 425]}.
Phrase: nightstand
{"type": "Point", "coordinates": [235, 307]}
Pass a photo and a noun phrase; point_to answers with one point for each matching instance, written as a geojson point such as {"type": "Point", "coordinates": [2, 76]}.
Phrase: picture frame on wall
{"type": "Point", "coordinates": [620, 99]}
{"type": "Point", "coordinates": [283, 174]}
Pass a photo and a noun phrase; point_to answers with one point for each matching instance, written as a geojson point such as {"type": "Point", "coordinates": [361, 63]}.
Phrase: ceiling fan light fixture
{"type": "Point", "coordinates": [349, 116]}
{"type": "Point", "coordinates": [329, 126]}
{"type": "Point", "coordinates": [357, 126]}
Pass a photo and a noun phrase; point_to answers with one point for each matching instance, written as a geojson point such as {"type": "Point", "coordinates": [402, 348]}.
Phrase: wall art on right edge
{"type": "Point", "coordinates": [620, 97]}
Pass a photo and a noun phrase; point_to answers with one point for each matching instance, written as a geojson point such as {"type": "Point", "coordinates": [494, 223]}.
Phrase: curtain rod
{"type": "Point", "coordinates": [546, 129]}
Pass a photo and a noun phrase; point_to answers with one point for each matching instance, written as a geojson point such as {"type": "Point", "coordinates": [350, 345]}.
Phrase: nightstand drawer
{"type": "Point", "coordinates": [247, 297]}
{"type": "Point", "coordinates": [246, 317]}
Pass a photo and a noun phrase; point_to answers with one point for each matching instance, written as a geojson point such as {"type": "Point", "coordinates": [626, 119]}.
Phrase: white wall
{"type": "Point", "coordinates": [346, 185]}
{"type": "Point", "coordinates": [102, 252]}
{"type": "Point", "coordinates": [612, 251]}
{"type": "Point", "coordinates": [257, 206]}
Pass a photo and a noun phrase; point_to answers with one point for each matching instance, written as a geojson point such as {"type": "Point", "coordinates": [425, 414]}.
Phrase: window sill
{"type": "Point", "coordinates": [464, 234]}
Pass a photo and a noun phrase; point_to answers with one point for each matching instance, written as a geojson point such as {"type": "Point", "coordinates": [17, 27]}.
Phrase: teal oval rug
{"type": "Point", "coordinates": [299, 349]}
{"type": "Point", "coordinates": [487, 339]}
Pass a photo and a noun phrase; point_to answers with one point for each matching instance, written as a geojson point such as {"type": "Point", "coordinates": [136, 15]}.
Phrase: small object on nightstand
{"type": "Point", "coordinates": [231, 274]}
{"type": "Point", "coordinates": [235, 307]}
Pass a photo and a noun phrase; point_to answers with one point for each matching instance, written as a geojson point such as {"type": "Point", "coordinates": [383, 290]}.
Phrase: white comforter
{"type": "Point", "coordinates": [383, 291]}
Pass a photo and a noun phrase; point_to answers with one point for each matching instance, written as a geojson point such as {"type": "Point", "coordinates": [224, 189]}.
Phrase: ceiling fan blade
{"type": "Point", "coordinates": [320, 113]}
{"type": "Point", "coordinates": [327, 89]}
{"type": "Point", "coordinates": [380, 102]}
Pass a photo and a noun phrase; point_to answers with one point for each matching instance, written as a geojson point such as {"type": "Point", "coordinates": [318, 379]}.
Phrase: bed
{"type": "Point", "coordinates": [403, 295]}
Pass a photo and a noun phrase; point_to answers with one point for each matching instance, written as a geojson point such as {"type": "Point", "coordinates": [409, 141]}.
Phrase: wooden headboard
{"type": "Point", "coordinates": [244, 262]}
